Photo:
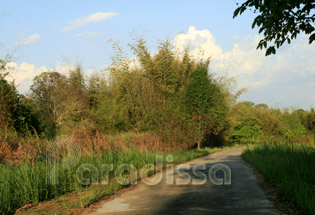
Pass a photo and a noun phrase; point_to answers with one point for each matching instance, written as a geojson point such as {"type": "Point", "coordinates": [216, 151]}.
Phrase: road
{"type": "Point", "coordinates": [242, 196]}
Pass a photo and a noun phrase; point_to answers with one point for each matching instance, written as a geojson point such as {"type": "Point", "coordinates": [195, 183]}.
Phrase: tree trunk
{"type": "Point", "coordinates": [198, 144]}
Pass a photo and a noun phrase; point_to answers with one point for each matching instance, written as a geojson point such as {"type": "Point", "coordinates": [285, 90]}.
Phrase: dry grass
{"type": "Point", "coordinates": [16, 149]}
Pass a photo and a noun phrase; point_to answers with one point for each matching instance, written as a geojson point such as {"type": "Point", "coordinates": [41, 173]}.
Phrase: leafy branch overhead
{"type": "Point", "coordinates": [280, 21]}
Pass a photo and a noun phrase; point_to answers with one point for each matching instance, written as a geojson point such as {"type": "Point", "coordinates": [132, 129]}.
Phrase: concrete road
{"type": "Point", "coordinates": [190, 191]}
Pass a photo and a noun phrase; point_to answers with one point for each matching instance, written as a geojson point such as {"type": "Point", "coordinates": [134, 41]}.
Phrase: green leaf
{"type": "Point", "coordinates": [270, 50]}
{"type": "Point", "coordinates": [312, 38]}
{"type": "Point", "coordinates": [242, 10]}
{"type": "Point", "coordinates": [254, 22]}
{"type": "Point", "coordinates": [236, 12]}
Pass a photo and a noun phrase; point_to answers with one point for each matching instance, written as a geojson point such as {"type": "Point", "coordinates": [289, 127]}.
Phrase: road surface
{"type": "Point", "coordinates": [180, 196]}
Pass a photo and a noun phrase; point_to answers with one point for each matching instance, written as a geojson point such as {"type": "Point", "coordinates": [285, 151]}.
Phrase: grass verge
{"type": "Point", "coordinates": [291, 168]}
{"type": "Point", "coordinates": [25, 184]}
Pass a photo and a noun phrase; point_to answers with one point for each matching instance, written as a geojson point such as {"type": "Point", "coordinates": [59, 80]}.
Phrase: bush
{"type": "Point", "coordinates": [247, 131]}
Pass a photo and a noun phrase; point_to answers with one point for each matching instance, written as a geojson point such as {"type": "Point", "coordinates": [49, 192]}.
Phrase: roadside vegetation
{"type": "Point", "coordinates": [127, 116]}
{"type": "Point", "coordinates": [160, 103]}
{"type": "Point", "coordinates": [26, 183]}
{"type": "Point", "coordinates": [290, 167]}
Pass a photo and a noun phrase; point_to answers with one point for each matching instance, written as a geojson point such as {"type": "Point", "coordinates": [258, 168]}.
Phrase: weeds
{"type": "Point", "coordinates": [290, 168]}
{"type": "Point", "coordinates": [26, 183]}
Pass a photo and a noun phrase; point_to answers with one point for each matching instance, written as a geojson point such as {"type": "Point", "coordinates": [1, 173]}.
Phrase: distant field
{"type": "Point", "coordinates": [291, 168]}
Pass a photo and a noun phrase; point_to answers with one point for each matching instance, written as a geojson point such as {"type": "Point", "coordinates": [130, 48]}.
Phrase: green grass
{"type": "Point", "coordinates": [291, 168]}
{"type": "Point", "coordinates": [26, 183]}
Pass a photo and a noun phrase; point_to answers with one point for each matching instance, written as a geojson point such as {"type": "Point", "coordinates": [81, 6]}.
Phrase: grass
{"type": "Point", "coordinates": [26, 183]}
{"type": "Point", "coordinates": [291, 168]}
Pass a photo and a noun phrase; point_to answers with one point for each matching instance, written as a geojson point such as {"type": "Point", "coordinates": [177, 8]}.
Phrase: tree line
{"type": "Point", "coordinates": [169, 94]}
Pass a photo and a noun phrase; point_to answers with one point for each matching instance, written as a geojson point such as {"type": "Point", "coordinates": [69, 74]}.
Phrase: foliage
{"type": "Point", "coordinates": [15, 113]}
{"type": "Point", "coordinates": [152, 96]}
{"type": "Point", "coordinates": [247, 131]}
{"type": "Point", "coordinates": [3, 66]}
{"type": "Point", "coordinates": [281, 20]}
{"type": "Point", "coordinates": [26, 183]}
{"type": "Point", "coordinates": [26, 121]}
{"type": "Point", "coordinates": [8, 104]}
{"type": "Point", "coordinates": [292, 171]}
{"type": "Point", "coordinates": [60, 101]}
{"type": "Point", "coordinates": [159, 102]}
{"type": "Point", "coordinates": [204, 103]}
{"type": "Point", "coordinates": [307, 119]}
{"type": "Point", "coordinates": [275, 124]}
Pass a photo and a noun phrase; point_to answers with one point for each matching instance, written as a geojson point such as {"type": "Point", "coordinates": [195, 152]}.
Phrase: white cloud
{"type": "Point", "coordinates": [31, 39]}
{"type": "Point", "coordinates": [134, 63]}
{"type": "Point", "coordinates": [23, 74]}
{"type": "Point", "coordinates": [90, 72]}
{"type": "Point", "coordinates": [201, 43]}
{"type": "Point", "coordinates": [285, 78]}
{"type": "Point", "coordinates": [64, 68]}
{"type": "Point", "coordinates": [89, 34]}
{"type": "Point", "coordinates": [242, 61]}
{"type": "Point", "coordinates": [93, 18]}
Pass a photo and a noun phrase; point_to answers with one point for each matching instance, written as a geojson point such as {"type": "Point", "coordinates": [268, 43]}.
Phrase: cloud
{"type": "Point", "coordinates": [31, 39]}
{"type": "Point", "coordinates": [23, 74]}
{"type": "Point", "coordinates": [64, 68]}
{"type": "Point", "coordinates": [286, 78]}
{"type": "Point", "coordinates": [201, 43]}
{"type": "Point", "coordinates": [89, 34]}
{"type": "Point", "coordinates": [93, 18]}
{"type": "Point", "coordinates": [242, 61]}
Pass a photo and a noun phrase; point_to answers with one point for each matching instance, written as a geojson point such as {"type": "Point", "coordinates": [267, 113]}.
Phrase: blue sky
{"type": "Point", "coordinates": [41, 35]}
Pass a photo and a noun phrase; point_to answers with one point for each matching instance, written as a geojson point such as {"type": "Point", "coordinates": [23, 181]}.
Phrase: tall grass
{"type": "Point", "coordinates": [14, 149]}
{"type": "Point", "coordinates": [25, 183]}
{"type": "Point", "coordinates": [291, 167]}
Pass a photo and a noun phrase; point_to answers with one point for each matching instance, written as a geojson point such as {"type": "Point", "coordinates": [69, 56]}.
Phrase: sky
{"type": "Point", "coordinates": [55, 35]}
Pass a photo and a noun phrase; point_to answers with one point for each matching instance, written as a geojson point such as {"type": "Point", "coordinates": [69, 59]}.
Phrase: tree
{"type": "Point", "coordinates": [47, 92]}
{"type": "Point", "coordinates": [97, 85]}
{"type": "Point", "coordinates": [268, 119]}
{"type": "Point", "coordinates": [3, 66]}
{"type": "Point", "coordinates": [15, 114]}
{"type": "Point", "coordinates": [292, 128]}
{"type": "Point", "coordinates": [152, 95]}
{"type": "Point", "coordinates": [61, 101]}
{"type": "Point", "coordinates": [281, 20]}
{"type": "Point", "coordinates": [205, 103]}
{"type": "Point", "coordinates": [78, 102]}
{"type": "Point", "coordinates": [8, 105]}
{"type": "Point", "coordinates": [246, 132]}
{"type": "Point", "coordinates": [310, 121]}
{"type": "Point", "coordinates": [26, 120]}
{"type": "Point", "coordinates": [140, 94]}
